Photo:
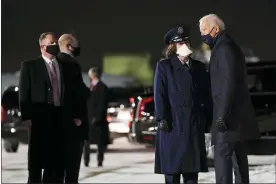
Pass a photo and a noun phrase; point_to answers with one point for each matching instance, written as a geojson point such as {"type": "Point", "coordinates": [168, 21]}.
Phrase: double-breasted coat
{"type": "Point", "coordinates": [182, 97]}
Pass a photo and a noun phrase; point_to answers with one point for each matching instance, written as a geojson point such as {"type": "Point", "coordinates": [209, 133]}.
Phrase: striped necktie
{"type": "Point", "coordinates": [55, 86]}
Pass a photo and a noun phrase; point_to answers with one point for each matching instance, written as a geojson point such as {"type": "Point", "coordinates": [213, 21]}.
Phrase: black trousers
{"type": "Point", "coordinates": [49, 176]}
{"type": "Point", "coordinates": [69, 173]}
{"type": "Point", "coordinates": [52, 170]}
{"type": "Point", "coordinates": [229, 156]}
{"type": "Point", "coordinates": [35, 176]}
{"type": "Point", "coordinates": [73, 153]}
{"type": "Point", "coordinates": [100, 152]}
{"type": "Point", "coordinates": [189, 178]}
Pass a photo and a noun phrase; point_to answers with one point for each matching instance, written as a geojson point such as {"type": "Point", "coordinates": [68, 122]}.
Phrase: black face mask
{"type": "Point", "coordinates": [76, 51]}
{"type": "Point", "coordinates": [52, 49]}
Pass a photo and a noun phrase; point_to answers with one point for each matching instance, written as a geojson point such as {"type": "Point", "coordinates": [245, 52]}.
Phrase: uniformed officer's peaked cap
{"type": "Point", "coordinates": [177, 34]}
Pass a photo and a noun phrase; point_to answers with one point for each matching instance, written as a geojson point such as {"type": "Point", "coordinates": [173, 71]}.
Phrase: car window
{"type": "Point", "coordinates": [261, 79]}
{"type": "Point", "coordinates": [10, 100]}
{"type": "Point", "coordinates": [120, 96]}
{"type": "Point", "coordinates": [149, 107]}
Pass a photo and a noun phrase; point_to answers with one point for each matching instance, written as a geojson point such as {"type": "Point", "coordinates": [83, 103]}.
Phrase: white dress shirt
{"type": "Point", "coordinates": [94, 82]}
{"type": "Point", "coordinates": [187, 62]}
{"type": "Point", "coordinates": [55, 63]}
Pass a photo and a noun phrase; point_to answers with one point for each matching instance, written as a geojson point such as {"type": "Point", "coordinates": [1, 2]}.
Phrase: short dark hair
{"type": "Point", "coordinates": [96, 72]}
{"type": "Point", "coordinates": [43, 36]}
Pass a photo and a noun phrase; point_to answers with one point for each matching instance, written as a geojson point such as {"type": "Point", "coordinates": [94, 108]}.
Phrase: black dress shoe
{"type": "Point", "coordinates": [100, 164]}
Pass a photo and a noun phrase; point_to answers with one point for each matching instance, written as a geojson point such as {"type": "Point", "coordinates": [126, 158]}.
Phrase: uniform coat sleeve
{"type": "Point", "coordinates": [226, 66]}
{"type": "Point", "coordinates": [160, 94]}
{"type": "Point", "coordinates": [25, 92]}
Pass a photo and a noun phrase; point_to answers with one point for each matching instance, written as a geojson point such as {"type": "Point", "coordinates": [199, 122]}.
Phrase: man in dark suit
{"type": "Point", "coordinates": [233, 114]}
{"type": "Point", "coordinates": [75, 98]}
{"type": "Point", "coordinates": [97, 108]}
{"type": "Point", "coordinates": [41, 97]}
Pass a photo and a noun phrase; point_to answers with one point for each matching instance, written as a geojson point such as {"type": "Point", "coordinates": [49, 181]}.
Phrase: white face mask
{"type": "Point", "coordinates": [184, 51]}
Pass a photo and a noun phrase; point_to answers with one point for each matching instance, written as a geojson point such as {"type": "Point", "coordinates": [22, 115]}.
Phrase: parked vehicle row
{"type": "Point", "coordinates": [14, 132]}
{"type": "Point", "coordinates": [119, 110]}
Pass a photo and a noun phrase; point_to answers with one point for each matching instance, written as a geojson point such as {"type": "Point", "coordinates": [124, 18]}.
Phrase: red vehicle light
{"type": "Point", "coordinates": [131, 100]}
{"type": "Point", "coordinates": [142, 105]}
{"type": "Point", "coordinates": [148, 138]}
{"type": "Point", "coordinates": [108, 118]}
{"type": "Point", "coordinates": [2, 114]}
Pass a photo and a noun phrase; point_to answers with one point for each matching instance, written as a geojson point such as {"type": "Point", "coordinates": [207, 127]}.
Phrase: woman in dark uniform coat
{"type": "Point", "coordinates": [183, 108]}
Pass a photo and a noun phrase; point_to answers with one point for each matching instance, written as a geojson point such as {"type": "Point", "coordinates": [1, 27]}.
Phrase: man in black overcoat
{"type": "Point", "coordinates": [41, 96]}
{"type": "Point", "coordinates": [75, 96]}
{"type": "Point", "coordinates": [233, 115]}
{"type": "Point", "coordinates": [97, 109]}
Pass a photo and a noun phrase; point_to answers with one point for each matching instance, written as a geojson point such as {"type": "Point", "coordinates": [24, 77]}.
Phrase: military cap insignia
{"type": "Point", "coordinates": [180, 30]}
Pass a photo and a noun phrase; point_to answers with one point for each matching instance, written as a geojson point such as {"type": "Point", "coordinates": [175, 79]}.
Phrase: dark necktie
{"type": "Point", "coordinates": [55, 86]}
{"type": "Point", "coordinates": [186, 65]}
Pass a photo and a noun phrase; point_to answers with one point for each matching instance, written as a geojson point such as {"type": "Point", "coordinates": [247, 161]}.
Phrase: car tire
{"type": "Point", "coordinates": [11, 146]}
{"type": "Point", "coordinates": [150, 146]}
{"type": "Point", "coordinates": [129, 139]}
{"type": "Point", "coordinates": [209, 147]}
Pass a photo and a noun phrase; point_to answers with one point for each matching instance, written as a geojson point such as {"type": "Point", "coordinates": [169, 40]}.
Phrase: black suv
{"type": "Point", "coordinates": [13, 131]}
{"type": "Point", "coordinates": [143, 126]}
{"type": "Point", "coordinates": [261, 79]}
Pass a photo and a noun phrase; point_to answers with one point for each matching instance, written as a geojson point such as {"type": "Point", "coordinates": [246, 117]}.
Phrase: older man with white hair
{"type": "Point", "coordinates": [233, 114]}
{"type": "Point", "coordinates": [69, 44]}
{"type": "Point", "coordinates": [75, 117]}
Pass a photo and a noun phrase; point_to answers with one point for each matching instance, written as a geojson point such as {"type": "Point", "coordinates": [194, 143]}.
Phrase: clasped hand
{"type": "Point", "coordinates": [164, 126]}
{"type": "Point", "coordinates": [221, 125]}
{"type": "Point", "coordinates": [77, 122]}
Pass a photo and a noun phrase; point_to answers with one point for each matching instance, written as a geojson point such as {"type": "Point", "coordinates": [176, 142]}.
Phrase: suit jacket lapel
{"type": "Point", "coordinates": [191, 65]}
{"type": "Point", "coordinates": [181, 73]}
{"type": "Point", "coordinates": [45, 75]}
{"type": "Point", "coordinates": [44, 71]}
{"type": "Point", "coordinates": [61, 80]}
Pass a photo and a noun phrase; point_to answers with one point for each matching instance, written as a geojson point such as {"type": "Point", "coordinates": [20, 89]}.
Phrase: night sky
{"type": "Point", "coordinates": [129, 26]}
